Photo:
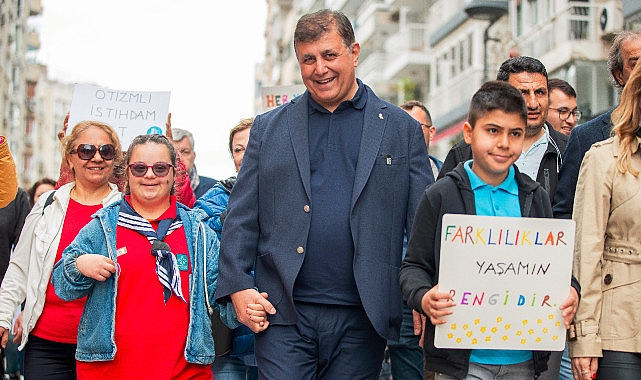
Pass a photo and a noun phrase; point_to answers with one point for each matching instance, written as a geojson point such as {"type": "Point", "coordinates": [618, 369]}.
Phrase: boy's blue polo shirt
{"type": "Point", "coordinates": [502, 200]}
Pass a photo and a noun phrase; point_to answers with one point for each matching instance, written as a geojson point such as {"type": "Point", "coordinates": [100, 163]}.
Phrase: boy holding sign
{"type": "Point", "coordinates": [489, 185]}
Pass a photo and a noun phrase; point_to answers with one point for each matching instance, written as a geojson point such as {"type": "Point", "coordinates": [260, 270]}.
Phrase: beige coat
{"type": "Point", "coordinates": [607, 254]}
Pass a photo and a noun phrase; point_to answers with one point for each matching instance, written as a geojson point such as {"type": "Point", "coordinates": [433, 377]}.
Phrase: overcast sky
{"type": "Point", "coordinates": [203, 51]}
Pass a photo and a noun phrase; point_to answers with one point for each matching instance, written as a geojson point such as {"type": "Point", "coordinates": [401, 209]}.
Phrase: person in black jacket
{"type": "Point", "coordinates": [495, 132]}
{"type": "Point", "coordinates": [543, 145]}
{"type": "Point", "coordinates": [624, 54]}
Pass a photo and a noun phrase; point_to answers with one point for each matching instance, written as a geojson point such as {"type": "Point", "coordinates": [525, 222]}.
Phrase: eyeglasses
{"type": "Point", "coordinates": [426, 125]}
{"type": "Point", "coordinates": [88, 151]}
{"type": "Point", "coordinates": [160, 169]}
{"type": "Point", "coordinates": [564, 113]}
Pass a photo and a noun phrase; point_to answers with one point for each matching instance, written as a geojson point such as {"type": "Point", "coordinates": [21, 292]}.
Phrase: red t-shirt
{"type": "Point", "coordinates": [59, 319]}
{"type": "Point", "coordinates": [150, 335]}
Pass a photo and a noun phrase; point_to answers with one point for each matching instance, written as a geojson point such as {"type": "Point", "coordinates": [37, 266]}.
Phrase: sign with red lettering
{"type": "Point", "coordinates": [130, 113]}
{"type": "Point", "coordinates": [508, 277]}
{"type": "Point", "coordinates": [275, 96]}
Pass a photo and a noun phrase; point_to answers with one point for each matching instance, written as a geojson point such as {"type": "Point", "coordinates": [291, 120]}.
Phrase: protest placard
{"type": "Point", "coordinates": [508, 277]}
{"type": "Point", "coordinates": [274, 96]}
{"type": "Point", "coordinates": [130, 113]}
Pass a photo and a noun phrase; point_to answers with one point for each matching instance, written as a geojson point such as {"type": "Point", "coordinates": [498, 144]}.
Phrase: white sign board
{"type": "Point", "coordinates": [275, 96]}
{"type": "Point", "coordinates": [130, 113]}
{"type": "Point", "coordinates": [508, 277]}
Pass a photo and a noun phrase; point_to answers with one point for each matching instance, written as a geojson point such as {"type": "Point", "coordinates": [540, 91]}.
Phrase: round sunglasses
{"type": "Point", "coordinates": [88, 151]}
{"type": "Point", "coordinates": [160, 169]}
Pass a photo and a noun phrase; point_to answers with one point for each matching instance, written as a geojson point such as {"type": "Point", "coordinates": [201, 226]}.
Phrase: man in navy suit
{"type": "Point", "coordinates": [329, 183]}
{"type": "Point", "coordinates": [624, 54]}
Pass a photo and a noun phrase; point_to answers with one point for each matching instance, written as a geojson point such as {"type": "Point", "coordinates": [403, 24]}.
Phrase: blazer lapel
{"type": "Point", "coordinates": [373, 129]}
{"type": "Point", "coordinates": [297, 123]}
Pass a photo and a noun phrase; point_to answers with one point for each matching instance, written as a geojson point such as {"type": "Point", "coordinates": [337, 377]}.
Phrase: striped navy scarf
{"type": "Point", "coordinates": [166, 264]}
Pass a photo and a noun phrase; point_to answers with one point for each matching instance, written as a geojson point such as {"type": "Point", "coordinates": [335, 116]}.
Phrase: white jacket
{"type": "Point", "coordinates": [32, 260]}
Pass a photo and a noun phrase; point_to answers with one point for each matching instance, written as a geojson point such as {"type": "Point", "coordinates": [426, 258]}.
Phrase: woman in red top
{"type": "Point", "coordinates": [50, 325]}
{"type": "Point", "coordinates": [145, 297]}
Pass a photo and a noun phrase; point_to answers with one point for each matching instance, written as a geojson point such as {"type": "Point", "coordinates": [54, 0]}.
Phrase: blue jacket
{"type": "Point", "coordinates": [270, 209]}
{"type": "Point", "coordinates": [214, 203]}
{"type": "Point", "coordinates": [96, 329]}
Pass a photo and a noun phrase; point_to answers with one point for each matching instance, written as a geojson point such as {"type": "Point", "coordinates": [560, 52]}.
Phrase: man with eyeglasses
{"type": "Point", "coordinates": [563, 113]}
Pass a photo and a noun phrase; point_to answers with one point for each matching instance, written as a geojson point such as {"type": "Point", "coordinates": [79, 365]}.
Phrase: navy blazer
{"type": "Point", "coordinates": [270, 208]}
{"type": "Point", "coordinates": [580, 141]}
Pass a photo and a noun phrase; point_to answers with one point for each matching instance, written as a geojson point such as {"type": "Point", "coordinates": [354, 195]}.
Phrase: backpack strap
{"type": "Point", "coordinates": [48, 201]}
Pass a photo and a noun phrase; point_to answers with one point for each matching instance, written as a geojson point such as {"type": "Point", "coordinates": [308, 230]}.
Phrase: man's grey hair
{"type": "Point", "coordinates": [615, 58]}
{"type": "Point", "coordinates": [179, 134]}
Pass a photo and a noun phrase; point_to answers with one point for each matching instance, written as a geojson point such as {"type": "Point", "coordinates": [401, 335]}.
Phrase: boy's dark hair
{"type": "Point", "coordinates": [496, 95]}
{"type": "Point", "coordinates": [561, 85]}
{"type": "Point", "coordinates": [520, 64]}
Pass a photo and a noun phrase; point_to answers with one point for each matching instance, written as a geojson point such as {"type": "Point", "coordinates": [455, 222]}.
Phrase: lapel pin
{"type": "Point", "coordinates": [380, 116]}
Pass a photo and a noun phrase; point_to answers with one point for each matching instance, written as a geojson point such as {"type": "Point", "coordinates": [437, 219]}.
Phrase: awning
{"type": "Point", "coordinates": [449, 132]}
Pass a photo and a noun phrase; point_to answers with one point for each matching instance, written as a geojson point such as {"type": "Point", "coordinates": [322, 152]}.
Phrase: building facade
{"type": "Point", "coordinates": [32, 108]}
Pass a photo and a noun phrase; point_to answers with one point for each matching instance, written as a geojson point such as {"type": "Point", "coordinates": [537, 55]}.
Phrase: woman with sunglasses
{"type": "Point", "coordinates": [155, 264]}
{"type": "Point", "coordinates": [50, 325]}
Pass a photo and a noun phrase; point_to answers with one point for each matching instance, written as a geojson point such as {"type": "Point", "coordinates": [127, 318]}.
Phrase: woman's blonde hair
{"type": "Point", "coordinates": [70, 141]}
{"type": "Point", "coordinates": [626, 119]}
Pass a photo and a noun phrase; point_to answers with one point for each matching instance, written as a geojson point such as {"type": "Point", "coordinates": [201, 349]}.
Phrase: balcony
{"type": "Point", "coordinates": [369, 69]}
{"type": "Point", "coordinates": [375, 24]}
{"type": "Point", "coordinates": [33, 40]}
{"type": "Point", "coordinates": [573, 32]}
{"type": "Point", "coordinates": [35, 7]}
{"type": "Point", "coordinates": [408, 54]}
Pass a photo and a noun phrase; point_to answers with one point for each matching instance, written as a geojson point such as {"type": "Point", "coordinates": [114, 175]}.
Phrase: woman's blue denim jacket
{"type": "Point", "coordinates": [96, 329]}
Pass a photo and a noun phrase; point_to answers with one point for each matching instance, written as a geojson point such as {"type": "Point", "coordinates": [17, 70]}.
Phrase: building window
{"type": "Point", "coordinates": [579, 23]}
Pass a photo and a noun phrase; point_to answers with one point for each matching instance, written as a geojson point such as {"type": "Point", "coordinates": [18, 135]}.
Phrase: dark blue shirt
{"type": "Point", "coordinates": [327, 274]}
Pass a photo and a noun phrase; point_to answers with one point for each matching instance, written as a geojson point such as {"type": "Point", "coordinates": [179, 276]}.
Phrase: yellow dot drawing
{"type": "Point", "coordinates": [475, 341]}
{"type": "Point", "coordinates": [538, 340]}
{"type": "Point", "coordinates": [518, 333]}
{"type": "Point", "coordinates": [494, 329]}
{"type": "Point", "coordinates": [523, 341]}
{"type": "Point", "coordinates": [499, 319]}
{"type": "Point", "coordinates": [458, 340]}
{"type": "Point", "coordinates": [557, 324]}
{"type": "Point", "coordinates": [545, 330]}
{"type": "Point", "coordinates": [469, 334]}
{"type": "Point", "coordinates": [555, 337]}
{"type": "Point", "coordinates": [453, 326]}
{"type": "Point", "coordinates": [525, 322]}
{"type": "Point", "coordinates": [539, 321]}
{"type": "Point", "coordinates": [450, 336]}
{"type": "Point", "coordinates": [505, 338]}
{"type": "Point", "coordinates": [477, 321]}
{"type": "Point", "coordinates": [507, 326]}
{"type": "Point", "coordinates": [483, 329]}
{"type": "Point", "coordinates": [488, 338]}
{"type": "Point", "coordinates": [550, 316]}
{"type": "Point", "coordinates": [530, 331]}
{"type": "Point", "coordinates": [465, 326]}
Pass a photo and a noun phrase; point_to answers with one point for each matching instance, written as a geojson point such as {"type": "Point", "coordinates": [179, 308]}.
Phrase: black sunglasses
{"type": "Point", "coordinates": [88, 151]}
{"type": "Point", "coordinates": [160, 169]}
